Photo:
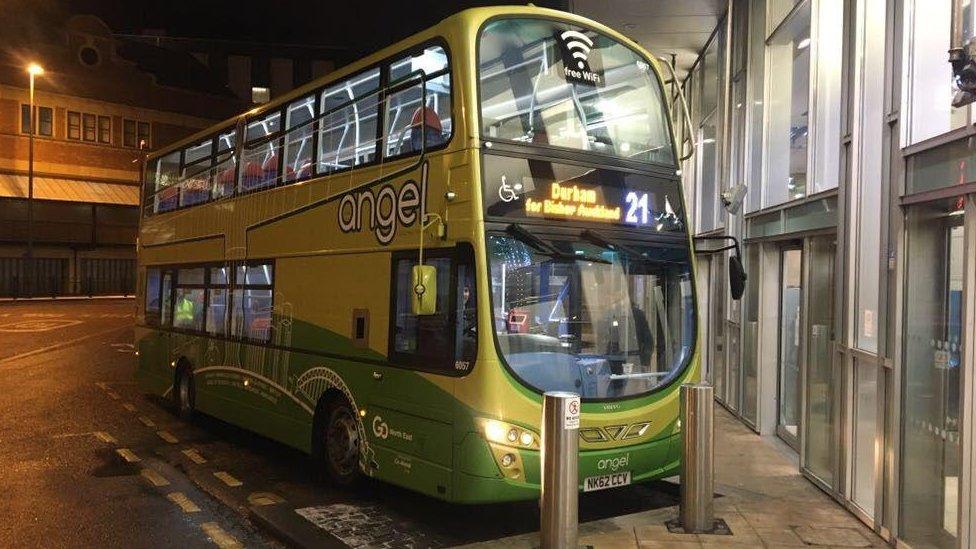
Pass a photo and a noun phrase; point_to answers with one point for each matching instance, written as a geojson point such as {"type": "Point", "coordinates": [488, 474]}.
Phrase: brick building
{"type": "Point", "coordinates": [101, 103]}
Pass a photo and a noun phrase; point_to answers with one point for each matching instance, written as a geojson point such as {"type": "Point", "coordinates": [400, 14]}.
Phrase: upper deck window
{"type": "Point", "coordinates": [348, 126]}
{"type": "Point", "coordinates": [260, 158]}
{"type": "Point", "coordinates": [556, 84]}
{"type": "Point", "coordinates": [411, 125]}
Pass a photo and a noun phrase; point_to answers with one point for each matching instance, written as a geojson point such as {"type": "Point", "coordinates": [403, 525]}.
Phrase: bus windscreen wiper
{"type": "Point", "coordinates": [544, 248]}
{"type": "Point", "coordinates": [594, 237]}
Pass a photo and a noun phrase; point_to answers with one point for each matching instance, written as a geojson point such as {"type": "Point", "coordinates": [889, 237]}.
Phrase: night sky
{"type": "Point", "coordinates": [357, 26]}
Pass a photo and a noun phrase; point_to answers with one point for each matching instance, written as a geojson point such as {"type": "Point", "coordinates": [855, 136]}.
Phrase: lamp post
{"type": "Point", "coordinates": [33, 70]}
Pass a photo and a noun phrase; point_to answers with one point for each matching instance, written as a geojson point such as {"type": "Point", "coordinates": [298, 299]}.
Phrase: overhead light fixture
{"type": "Point", "coordinates": [260, 95]}
{"type": "Point", "coordinates": [805, 43]}
{"type": "Point", "coordinates": [35, 69]}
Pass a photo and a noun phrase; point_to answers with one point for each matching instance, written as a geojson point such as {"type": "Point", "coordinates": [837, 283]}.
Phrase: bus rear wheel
{"type": "Point", "coordinates": [184, 393]}
{"type": "Point", "coordinates": [339, 443]}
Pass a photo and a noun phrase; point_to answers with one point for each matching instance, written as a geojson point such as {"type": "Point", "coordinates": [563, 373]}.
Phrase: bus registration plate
{"type": "Point", "coordinates": [602, 482]}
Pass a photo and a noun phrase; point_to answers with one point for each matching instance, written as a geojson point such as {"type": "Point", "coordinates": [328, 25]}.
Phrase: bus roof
{"type": "Point", "coordinates": [472, 17]}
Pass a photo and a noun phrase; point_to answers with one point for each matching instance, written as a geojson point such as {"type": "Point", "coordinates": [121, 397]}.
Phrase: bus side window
{"type": "Point", "coordinates": [166, 296]}
{"type": "Point", "coordinates": [425, 341]}
{"type": "Point", "coordinates": [466, 318]}
{"type": "Point", "coordinates": [410, 124]}
{"type": "Point", "coordinates": [152, 297]}
{"type": "Point", "coordinates": [252, 301]}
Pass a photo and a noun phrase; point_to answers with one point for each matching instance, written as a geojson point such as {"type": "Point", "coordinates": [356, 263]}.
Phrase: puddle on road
{"type": "Point", "coordinates": [111, 464]}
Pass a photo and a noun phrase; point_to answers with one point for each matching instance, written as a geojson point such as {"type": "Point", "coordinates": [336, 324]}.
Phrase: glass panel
{"type": "Point", "coordinates": [259, 159]}
{"type": "Point", "coordinates": [710, 77]}
{"type": "Point", "coordinates": [829, 63]}
{"type": "Point", "coordinates": [251, 317]}
{"type": "Point", "coordinates": [750, 336]}
{"type": "Point", "coordinates": [754, 103]}
{"type": "Point", "coordinates": [217, 311]}
{"type": "Point", "coordinates": [819, 424]}
{"type": "Point", "coordinates": [944, 166]}
{"type": "Point", "coordinates": [789, 346]}
{"type": "Point", "coordinates": [546, 82]}
{"type": "Point", "coordinates": [166, 298]}
{"type": "Point", "coordinates": [930, 86]}
{"type": "Point", "coordinates": [298, 140]}
{"type": "Point", "coordinates": [198, 152]}
{"type": "Point", "coordinates": [219, 276]}
{"type": "Point", "coordinates": [719, 282]}
{"type": "Point", "coordinates": [708, 174]}
{"type": "Point", "coordinates": [348, 130]}
{"type": "Point", "coordinates": [408, 123]}
{"type": "Point", "coordinates": [426, 336]}
{"type": "Point", "coordinates": [431, 61]}
{"type": "Point", "coordinates": [931, 382]}
{"type": "Point", "coordinates": [190, 276]}
{"type": "Point", "coordinates": [865, 433]}
{"type": "Point", "coordinates": [788, 102]}
{"type": "Point", "coordinates": [167, 176]}
{"type": "Point", "coordinates": [45, 122]}
{"type": "Point", "coordinates": [188, 310]}
{"type": "Point", "coordinates": [225, 168]}
{"type": "Point", "coordinates": [591, 319]}
{"type": "Point", "coordinates": [152, 296]}
{"type": "Point", "coordinates": [255, 275]}
{"type": "Point", "coordinates": [466, 341]}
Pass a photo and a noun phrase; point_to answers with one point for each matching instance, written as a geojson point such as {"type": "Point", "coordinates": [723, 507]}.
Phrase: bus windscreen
{"type": "Point", "coordinates": [551, 83]}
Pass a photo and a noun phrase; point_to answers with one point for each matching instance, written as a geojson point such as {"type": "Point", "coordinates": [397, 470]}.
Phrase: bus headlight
{"type": "Point", "coordinates": [507, 434]}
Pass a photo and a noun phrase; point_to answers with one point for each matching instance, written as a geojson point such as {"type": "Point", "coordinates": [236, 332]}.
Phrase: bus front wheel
{"type": "Point", "coordinates": [337, 442]}
{"type": "Point", "coordinates": [184, 392]}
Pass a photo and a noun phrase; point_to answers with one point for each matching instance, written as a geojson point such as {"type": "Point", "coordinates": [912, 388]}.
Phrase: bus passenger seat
{"type": "Point", "coordinates": [431, 126]}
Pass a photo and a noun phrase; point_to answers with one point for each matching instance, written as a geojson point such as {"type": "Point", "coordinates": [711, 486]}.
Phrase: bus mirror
{"type": "Point", "coordinates": [737, 277]}
{"type": "Point", "coordinates": [424, 301]}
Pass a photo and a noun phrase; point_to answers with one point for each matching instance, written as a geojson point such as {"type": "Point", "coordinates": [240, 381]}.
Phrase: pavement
{"type": "Point", "coordinates": [88, 460]}
{"type": "Point", "coordinates": [761, 496]}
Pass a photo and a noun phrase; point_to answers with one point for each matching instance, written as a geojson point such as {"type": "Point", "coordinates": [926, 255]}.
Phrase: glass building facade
{"type": "Point", "coordinates": [854, 340]}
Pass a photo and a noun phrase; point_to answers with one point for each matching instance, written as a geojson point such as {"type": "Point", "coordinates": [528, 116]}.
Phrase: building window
{"type": "Point", "coordinates": [135, 134]}
{"type": "Point", "coordinates": [74, 125]}
{"type": "Point", "coordinates": [88, 121]}
{"type": "Point", "coordinates": [45, 120]}
{"type": "Point", "coordinates": [104, 129]}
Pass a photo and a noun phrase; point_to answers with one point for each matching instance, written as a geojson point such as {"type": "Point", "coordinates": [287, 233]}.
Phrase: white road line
{"type": "Point", "coordinates": [228, 479]}
{"type": "Point", "coordinates": [113, 395]}
{"type": "Point", "coordinates": [127, 455]}
{"type": "Point", "coordinates": [61, 345]}
{"type": "Point", "coordinates": [129, 406]}
{"type": "Point", "coordinates": [168, 437]}
{"type": "Point", "coordinates": [154, 478]}
{"type": "Point", "coordinates": [220, 538]}
{"type": "Point", "coordinates": [184, 502]}
{"type": "Point", "coordinates": [105, 437]}
{"type": "Point", "coordinates": [147, 422]}
{"type": "Point", "coordinates": [194, 456]}
{"type": "Point", "coordinates": [102, 385]}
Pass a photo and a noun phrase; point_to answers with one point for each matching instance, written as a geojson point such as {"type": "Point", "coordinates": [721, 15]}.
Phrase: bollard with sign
{"type": "Point", "coordinates": [560, 476]}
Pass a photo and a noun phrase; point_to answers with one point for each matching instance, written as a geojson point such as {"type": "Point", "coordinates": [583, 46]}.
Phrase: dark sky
{"type": "Point", "coordinates": [358, 26]}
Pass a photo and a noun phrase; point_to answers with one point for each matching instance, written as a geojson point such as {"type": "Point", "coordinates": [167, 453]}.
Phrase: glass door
{"type": "Point", "coordinates": [931, 380]}
{"type": "Point", "coordinates": [819, 424]}
{"type": "Point", "coordinates": [791, 298]}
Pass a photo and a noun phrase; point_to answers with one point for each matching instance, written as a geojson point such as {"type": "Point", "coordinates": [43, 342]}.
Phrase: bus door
{"type": "Point", "coordinates": [413, 405]}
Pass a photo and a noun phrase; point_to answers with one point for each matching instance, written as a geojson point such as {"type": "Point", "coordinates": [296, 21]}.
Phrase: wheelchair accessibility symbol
{"type": "Point", "coordinates": [508, 193]}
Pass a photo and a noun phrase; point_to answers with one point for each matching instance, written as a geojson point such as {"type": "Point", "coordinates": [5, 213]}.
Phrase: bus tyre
{"type": "Point", "coordinates": [338, 444]}
{"type": "Point", "coordinates": [184, 393]}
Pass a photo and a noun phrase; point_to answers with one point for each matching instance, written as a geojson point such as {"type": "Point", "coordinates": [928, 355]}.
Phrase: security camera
{"type": "Point", "coordinates": [732, 198]}
{"type": "Point", "coordinates": [963, 62]}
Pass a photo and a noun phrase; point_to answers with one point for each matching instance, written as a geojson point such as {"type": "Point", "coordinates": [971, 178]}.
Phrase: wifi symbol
{"type": "Point", "coordinates": [579, 45]}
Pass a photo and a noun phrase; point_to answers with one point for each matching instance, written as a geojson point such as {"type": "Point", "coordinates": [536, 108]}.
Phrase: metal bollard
{"type": "Point", "coordinates": [560, 470]}
{"type": "Point", "coordinates": [698, 465]}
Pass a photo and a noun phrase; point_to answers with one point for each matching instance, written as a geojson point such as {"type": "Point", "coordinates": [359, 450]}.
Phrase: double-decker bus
{"type": "Point", "coordinates": [387, 268]}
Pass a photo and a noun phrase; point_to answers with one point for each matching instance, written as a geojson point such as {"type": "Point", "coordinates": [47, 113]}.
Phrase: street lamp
{"type": "Point", "coordinates": [33, 70]}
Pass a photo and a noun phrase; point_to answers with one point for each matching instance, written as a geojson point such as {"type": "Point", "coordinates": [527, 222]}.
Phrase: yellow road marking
{"type": "Point", "coordinates": [146, 421]}
{"type": "Point", "coordinates": [184, 502]}
{"type": "Point", "coordinates": [102, 385]}
{"type": "Point", "coordinates": [129, 407]}
{"type": "Point", "coordinates": [154, 478]}
{"type": "Point", "coordinates": [220, 537]}
{"type": "Point", "coordinates": [61, 345]}
{"type": "Point", "coordinates": [127, 455]}
{"type": "Point", "coordinates": [105, 437]}
{"type": "Point", "coordinates": [167, 437]}
{"type": "Point", "coordinates": [194, 456]}
{"type": "Point", "coordinates": [228, 479]}
{"type": "Point", "coordinates": [264, 498]}
{"type": "Point", "coordinates": [113, 395]}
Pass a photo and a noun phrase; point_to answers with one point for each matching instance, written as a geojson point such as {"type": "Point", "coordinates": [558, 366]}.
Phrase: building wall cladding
{"type": "Point", "coordinates": [854, 161]}
{"type": "Point", "coordinates": [84, 238]}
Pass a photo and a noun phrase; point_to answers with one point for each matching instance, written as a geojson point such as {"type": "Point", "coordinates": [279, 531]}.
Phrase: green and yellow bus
{"type": "Point", "coordinates": [387, 267]}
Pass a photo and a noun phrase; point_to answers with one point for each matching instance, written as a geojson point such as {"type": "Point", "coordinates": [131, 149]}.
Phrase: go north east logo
{"type": "Point", "coordinates": [576, 48]}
